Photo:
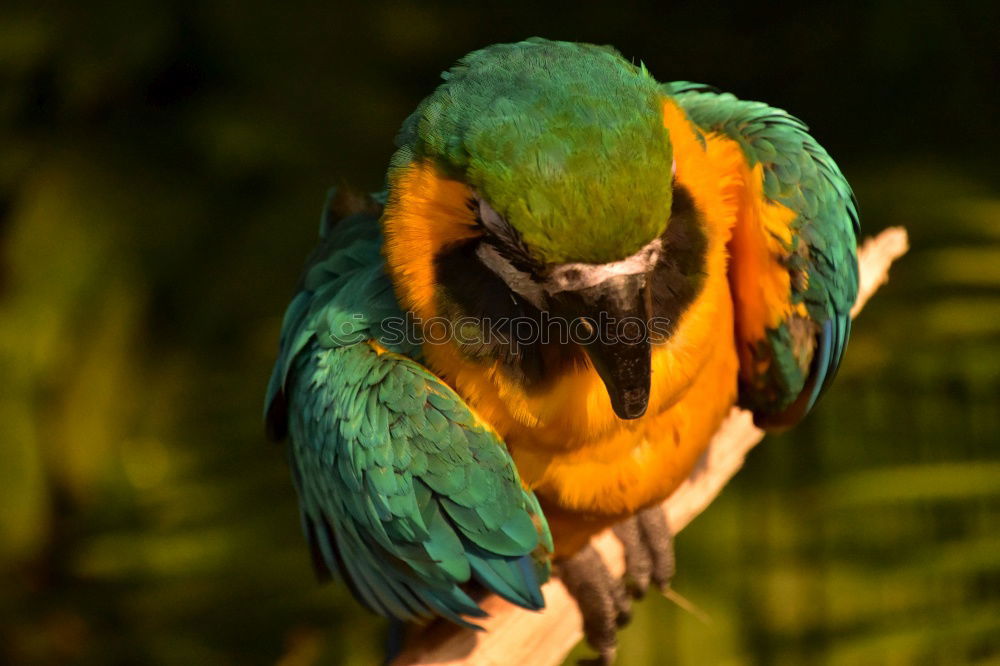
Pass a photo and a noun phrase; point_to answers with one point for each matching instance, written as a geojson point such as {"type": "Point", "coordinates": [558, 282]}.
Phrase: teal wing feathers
{"type": "Point", "coordinates": [404, 493]}
{"type": "Point", "coordinates": [798, 358]}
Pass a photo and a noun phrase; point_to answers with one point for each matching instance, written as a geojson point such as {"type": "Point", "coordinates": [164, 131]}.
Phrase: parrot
{"type": "Point", "coordinates": [573, 275]}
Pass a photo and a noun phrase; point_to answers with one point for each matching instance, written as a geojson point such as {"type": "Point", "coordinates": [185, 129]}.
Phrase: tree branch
{"type": "Point", "coordinates": [516, 636]}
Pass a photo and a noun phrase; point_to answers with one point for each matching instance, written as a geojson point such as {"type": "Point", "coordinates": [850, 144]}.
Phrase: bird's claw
{"type": "Point", "coordinates": [649, 550]}
{"type": "Point", "coordinates": [605, 602]}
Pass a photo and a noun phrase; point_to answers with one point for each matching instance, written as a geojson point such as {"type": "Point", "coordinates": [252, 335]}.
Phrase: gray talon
{"type": "Point", "coordinates": [603, 602]}
{"type": "Point", "coordinates": [659, 543]}
{"type": "Point", "coordinates": [649, 550]}
{"type": "Point", "coordinates": [638, 561]}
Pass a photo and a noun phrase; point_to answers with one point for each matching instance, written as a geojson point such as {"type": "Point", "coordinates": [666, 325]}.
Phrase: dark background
{"type": "Point", "coordinates": [162, 167]}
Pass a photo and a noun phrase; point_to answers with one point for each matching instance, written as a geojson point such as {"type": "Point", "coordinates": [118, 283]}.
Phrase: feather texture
{"type": "Point", "coordinates": [788, 361]}
{"type": "Point", "coordinates": [404, 492]}
{"type": "Point", "coordinates": [553, 135]}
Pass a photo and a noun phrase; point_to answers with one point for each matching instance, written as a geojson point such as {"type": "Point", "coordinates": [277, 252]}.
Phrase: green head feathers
{"type": "Point", "coordinates": [566, 141]}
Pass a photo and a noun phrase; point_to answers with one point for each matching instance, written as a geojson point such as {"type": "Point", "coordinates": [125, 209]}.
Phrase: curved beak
{"type": "Point", "coordinates": [615, 313]}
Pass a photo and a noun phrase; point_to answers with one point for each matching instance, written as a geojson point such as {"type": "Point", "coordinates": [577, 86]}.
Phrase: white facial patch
{"type": "Point", "coordinates": [575, 276]}
{"type": "Point", "coordinates": [519, 282]}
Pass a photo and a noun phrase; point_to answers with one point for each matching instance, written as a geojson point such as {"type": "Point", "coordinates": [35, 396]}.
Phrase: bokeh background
{"type": "Point", "coordinates": [162, 168]}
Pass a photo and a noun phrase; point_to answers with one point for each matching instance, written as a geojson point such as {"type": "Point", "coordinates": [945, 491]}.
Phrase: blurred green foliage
{"type": "Point", "coordinates": [161, 171]}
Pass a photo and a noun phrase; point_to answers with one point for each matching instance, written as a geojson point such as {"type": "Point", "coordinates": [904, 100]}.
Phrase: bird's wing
{"type": "Point", "coordinates": [404, 491]}
{"type": "Point", "coordinates": [793, 270]}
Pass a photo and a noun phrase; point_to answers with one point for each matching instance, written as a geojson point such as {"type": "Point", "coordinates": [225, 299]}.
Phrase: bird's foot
{"type": "Point", "coordinates": [649, 550]}
{"type": "Point", "coordinates": [602, 599]}
{"type": "Point", "coordinates": [605, 602]}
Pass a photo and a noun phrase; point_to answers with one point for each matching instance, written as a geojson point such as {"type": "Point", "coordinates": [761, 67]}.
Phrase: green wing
{"type": "Point", "coordinates": [404, 492]}
{"type": "Point", "coordinates": [796, 360]}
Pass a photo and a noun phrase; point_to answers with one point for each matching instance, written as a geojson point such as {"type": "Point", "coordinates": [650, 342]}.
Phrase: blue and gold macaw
{"type": "Point", "coordinates": [549, 181]}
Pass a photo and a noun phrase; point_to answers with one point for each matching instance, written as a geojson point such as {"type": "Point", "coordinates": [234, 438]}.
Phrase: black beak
{"type": "Point", "coordinates": [611, 322]}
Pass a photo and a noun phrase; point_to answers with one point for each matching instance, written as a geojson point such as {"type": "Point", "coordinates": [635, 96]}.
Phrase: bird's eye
{"type": "Point", "coordinates": [572, 275]}
{"type": "Point", "coordinates": [473, 205]}
{"type": "Point", "coordinates": [502, 236]}
{"type": "Point", "coordinates": [491, 219]}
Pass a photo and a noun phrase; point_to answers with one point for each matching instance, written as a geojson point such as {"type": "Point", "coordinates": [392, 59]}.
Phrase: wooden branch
{"type": "Point", "coordinates": [874, 258]}
{"type": "Point", "coordinates": [516, 636]}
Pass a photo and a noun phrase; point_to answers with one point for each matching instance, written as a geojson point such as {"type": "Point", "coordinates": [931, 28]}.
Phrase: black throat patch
{"type": "Point", "coordinates": [489, 322]}
{"type": "Point", "coordinates": [492, 323]}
